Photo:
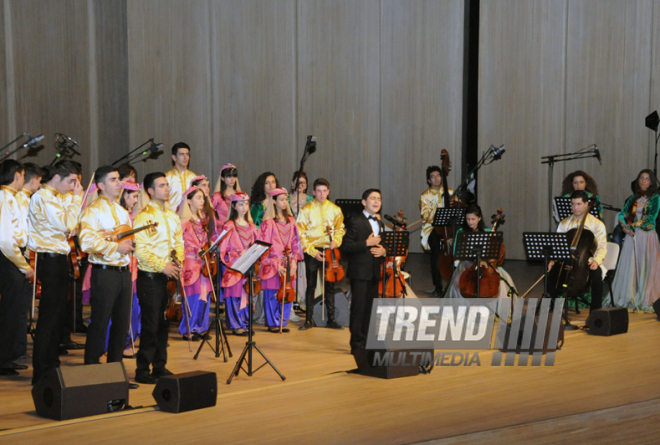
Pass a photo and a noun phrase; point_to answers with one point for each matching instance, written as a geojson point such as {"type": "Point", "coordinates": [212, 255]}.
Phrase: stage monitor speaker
{"type": "Point", "coordinates": [546, 348]}
{"type": "Point", "coordinates": [80, 391]}
{"type": "Point", "coordinates": [608, 321]}
{"type": "Point", "coordinates": [189, 391]}
{"type": "Point", "coordinates": [656, 308]}
{"type": "Point", "coordinates": [405, 364]}
{"type": "Point", "coordinates": [342, 312]}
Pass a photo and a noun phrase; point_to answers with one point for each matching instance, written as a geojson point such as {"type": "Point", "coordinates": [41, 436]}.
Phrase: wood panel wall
{"type": "Point", "coordinates": [556, 76]}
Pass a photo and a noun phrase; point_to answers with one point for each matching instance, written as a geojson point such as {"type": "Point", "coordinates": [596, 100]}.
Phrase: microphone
{"type": "Point", "coordinates": [64, 136]}
{"type": "Point", "coordinates": [597, 151]}
{"type": "Point", "coordinates": [310, 146]}
{"type": "Point", "coordinates": [33, 141]}
{"type": "Point", "coordinates": [154, 147]}
{"type": "Point", "coordinates": [498, 152]}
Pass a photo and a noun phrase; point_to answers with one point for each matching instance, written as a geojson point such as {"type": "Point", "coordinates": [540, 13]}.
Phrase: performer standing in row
{"type": "Point", "coordinates": [199, 231]}
{"type": "Point", "coordinates": [154, 249]}
{"type": "Point", "coordinates": [429, 202]}
{"type": "Point", "coordinates": [111, 285]}
{"type": "Point", "coordinates": [365, 261]}
{"type": "Point", "coordinates": [53, 216]}
{"type": "Point", "coordinates": [280, 230]}
{"type": "Point", "coordinates": [580, 206]}
{"type": "Point", "coordinates": [243, 234]}
{"type": "Point", "coordinates": [179, 177]}
{"type": "Point", "coordinates": [33, 175]}
{"type": "Point", "coordinates": [636, 284]}
{"type": "Point", "coordinates": [227, 185]}
{"type": "Point", "coordinates": [14, 269]}
{"type": "Point", "coordinates": [265, 183]}
{"type": "Point", "coordinates": [313, 220]}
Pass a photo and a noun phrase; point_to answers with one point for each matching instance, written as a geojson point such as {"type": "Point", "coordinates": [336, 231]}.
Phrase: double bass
{"type": "Point", "coordinates": [572, 276]}
{"type": "Point", "coordinates": [489, 283]}
{"type": "Point", "coordinates": [446, 260]}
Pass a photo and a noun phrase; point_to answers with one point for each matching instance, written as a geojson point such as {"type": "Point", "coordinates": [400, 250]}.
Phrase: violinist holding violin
{"type": "Point", "coordinates": [53, 216]}
{"type": "Point", "coordinates": [313, 222]}
{"type": "Point", "coordinates": [580, 209]}
{"type": "Point", "coordinates": [278, 228]}
{"type": "Point", "coordinates": [365, 261]}
{"type": "Point", "coordinates": [153, 249]}
{"type": "Point", "coordinates": [111, 287]}
{"type": "Point", "coordinates": [431, 200]}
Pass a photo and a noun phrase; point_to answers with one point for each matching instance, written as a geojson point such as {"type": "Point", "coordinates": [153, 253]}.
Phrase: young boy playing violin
{"type": "Point", "coordinates": [365, 260]}
{"type": "Point", "coordinates": [313, 221]}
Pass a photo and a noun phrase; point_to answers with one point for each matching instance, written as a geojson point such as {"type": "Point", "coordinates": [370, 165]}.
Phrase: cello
{"type": "Point", "coordinates": [446, 260]}
{"type": "Point", "coordinates": [489, 283]}
{"type": "Point", "coordinates": [391, 278]}
{"type": "Point", "coordinates": [572, 276]}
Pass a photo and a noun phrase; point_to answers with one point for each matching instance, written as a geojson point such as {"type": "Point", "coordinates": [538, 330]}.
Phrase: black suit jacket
{"type": "Point", "coordinates": [362, 265]}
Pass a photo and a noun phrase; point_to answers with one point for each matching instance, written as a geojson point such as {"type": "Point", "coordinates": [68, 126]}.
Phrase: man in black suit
{"type": "Point", "coordinates": [365, 259]}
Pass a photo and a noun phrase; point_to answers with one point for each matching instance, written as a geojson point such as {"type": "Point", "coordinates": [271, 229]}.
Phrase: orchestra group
{"type": "Point", "coordinates": [141, 241]}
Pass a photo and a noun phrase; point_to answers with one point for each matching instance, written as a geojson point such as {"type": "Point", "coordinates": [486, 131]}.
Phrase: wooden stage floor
{"type": "Point", "coordinates": [601, 390]}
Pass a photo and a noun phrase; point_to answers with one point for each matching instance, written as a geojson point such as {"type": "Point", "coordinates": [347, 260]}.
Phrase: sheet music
{"type": "Point", "coordinates": [250, 256]}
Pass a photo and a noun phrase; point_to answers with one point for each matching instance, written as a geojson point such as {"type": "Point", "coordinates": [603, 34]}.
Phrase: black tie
{"type": "Point", "coordinates": [372, 218]}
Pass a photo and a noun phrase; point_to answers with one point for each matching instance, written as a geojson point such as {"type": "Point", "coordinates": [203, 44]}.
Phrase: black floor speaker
{"type": "Point", "coordinates": [547, 347]}
{"type": "Point", "coordinates": [80, 391]}
{"type": "Point", "coordinates": [405, 365]}
{"type": "Point", "coordinates": [179, 393]}
{"type": "Point", "coordinates": [656, 308]}
{"type": "Point", "coordinates": [608, 321]}
{"type": "Point", "coordinates": [342, 312]}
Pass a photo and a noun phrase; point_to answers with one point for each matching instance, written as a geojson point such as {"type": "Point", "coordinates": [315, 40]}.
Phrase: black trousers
{"type": "Point", "coordinates": [12, 285]}
{"type": "Point", "coordinates": [311, 268]}
{"type": "Point", "coordinates": [53, 271]}
{"type": "Point", "coordinates": [152, 296]}
{"type": "Point", "coordinates": [74, 306]}
{"type": "Point", "coordinates": [20, 349]}
{"type": "Point", "coordinates": [436, 248]}
{"type": "Point", "coordinates": [363, 293]}
{"type": "Point", "coordinates": [110, 297]}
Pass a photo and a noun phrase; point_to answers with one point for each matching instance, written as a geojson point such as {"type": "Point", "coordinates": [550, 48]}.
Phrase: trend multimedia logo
{"type": "Point", "coordinates": [407, 332]}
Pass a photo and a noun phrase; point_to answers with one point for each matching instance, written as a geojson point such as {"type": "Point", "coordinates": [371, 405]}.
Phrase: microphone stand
{"type": "Point", "coordinates": [550, 160]}
{"type": "Point", "coordinates": [310, 147]}
{"type": "Point", "coordinates": [487, 158]}
{"type": "Point", "coordinates": [133, 151]}
{"type": "Point", "coordinates": [9, 153]}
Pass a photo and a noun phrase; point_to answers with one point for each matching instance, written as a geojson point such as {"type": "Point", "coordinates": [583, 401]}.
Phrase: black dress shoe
{"type": "Point", "coordinates": [63, 351]}
{"type": "Point", "coordinates": [133, 385]}
{"type": "Point", "coordinates": [81, 329]}
{"type": "Point", "coordinates": [204, 337]}
{"type": "Point", "coordinates": [145, 378]}
{"type": "Point", "coordinates": [334, 325]}
{"type": "Point", "coordinates": [309, 324]}
{"type": "Point", "coordinates": [17, 366]}
{"type": "Point", "coordinates": [158, 373]}
{"type": "Point", "coordinates": [72, 345]}
{"type": "Point", "coordinates": [9, 372]}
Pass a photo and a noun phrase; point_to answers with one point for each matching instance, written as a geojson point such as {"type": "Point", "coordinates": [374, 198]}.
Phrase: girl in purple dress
{"type": "Point", "coordinates": [280, 230]}
{"type": "Point", "coordinates": [227, 185]}
{"type": "Point", "coordinates": [242, 234]}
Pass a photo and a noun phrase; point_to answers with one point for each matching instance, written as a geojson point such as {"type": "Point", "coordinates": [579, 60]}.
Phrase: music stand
{"type": "Point", "coordinates": [448, 216]}
{"type": "Point", "coordinates": [220, 336]}
{"type": "Point", "coordinates": [562, 208]}
{"type": "Point", "coordinates": [478, 246]}
{"type": "Point", "coordinates": [245, 265]}
{"type": "Point", "coordinates": [396, 243]}
{"type": "Point", "coordinates": [350, 207]}
{"type": "Point", "coordinates": [547, 247]}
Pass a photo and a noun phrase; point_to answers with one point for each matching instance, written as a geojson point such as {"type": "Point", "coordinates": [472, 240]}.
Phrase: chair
{"type": "Point", "coordinates": [609, 264]}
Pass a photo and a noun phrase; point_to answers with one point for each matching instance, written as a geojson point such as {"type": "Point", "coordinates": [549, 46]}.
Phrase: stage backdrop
{"type": "Point", "coordinates": [379, 82]}
{"type": "Point", "coordinates": [556, 76]}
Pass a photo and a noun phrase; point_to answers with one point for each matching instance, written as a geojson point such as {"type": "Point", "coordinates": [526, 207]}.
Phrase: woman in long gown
{"type": "Point", "coordinates": [637, 281]}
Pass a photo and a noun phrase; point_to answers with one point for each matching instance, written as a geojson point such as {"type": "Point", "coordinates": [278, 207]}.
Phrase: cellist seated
{"type": "Point", "coordinates": [474, 223]}
{"type": "Point", "coordinates": [580, 208]}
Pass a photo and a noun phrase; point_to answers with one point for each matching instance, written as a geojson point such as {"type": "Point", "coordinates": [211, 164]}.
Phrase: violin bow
{"type": "Point", "coordinates": [83, 201]}
{"type": "Point", "coordinates": [34, 284]}
{"type": "Point", "coordinates": [186, 306]}
{"type": "Point", "coordinates": [323, 292]}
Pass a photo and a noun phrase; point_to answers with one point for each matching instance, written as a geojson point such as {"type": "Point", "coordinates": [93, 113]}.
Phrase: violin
{"type": "Point", "coordinates": [572, 276]}
{"type": "Point", "coordinates": [209, 263]}
{"type": "Point", "coordinates": [447, 233]}
{"type": "Point", "coordinates": [393, 282]}
{"type": "Point", "coordinates": [75, 258]}
{"type": "Point", "coordinates": [489, 283]}
{"type": "Point", "coordinates": [125, 231]}
{"type": "Point", "coordinates": [334, 271]}
{"type": "Point", "coordinates": [286, 293]}
{"type": "Point", "coordinates": [256, 281]}
{"type": "Point", "coordinates": [173, 309]}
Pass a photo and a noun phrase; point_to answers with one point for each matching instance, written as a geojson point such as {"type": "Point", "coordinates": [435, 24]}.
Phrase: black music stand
{"type": "Point", "coordinates": [220, 336]}
{"type": "Point", "coordinates": [396, 243]}
{"type": "Point", "coordinates": [478, 246]}
{"type": "Point", "coordinates": [245, 265]}
{"type": "Point", "coordinates": [350, 207]}
{"type": "Point", "coordinates": [562, 207]}
{"type": "Point", "coordinates": [547, 247]}
{"type": "Point", "coordinates": [449, 217]}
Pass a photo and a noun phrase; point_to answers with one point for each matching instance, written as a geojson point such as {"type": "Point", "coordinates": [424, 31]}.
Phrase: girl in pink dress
{"type": "Point", "coordinates": [227, 185]}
